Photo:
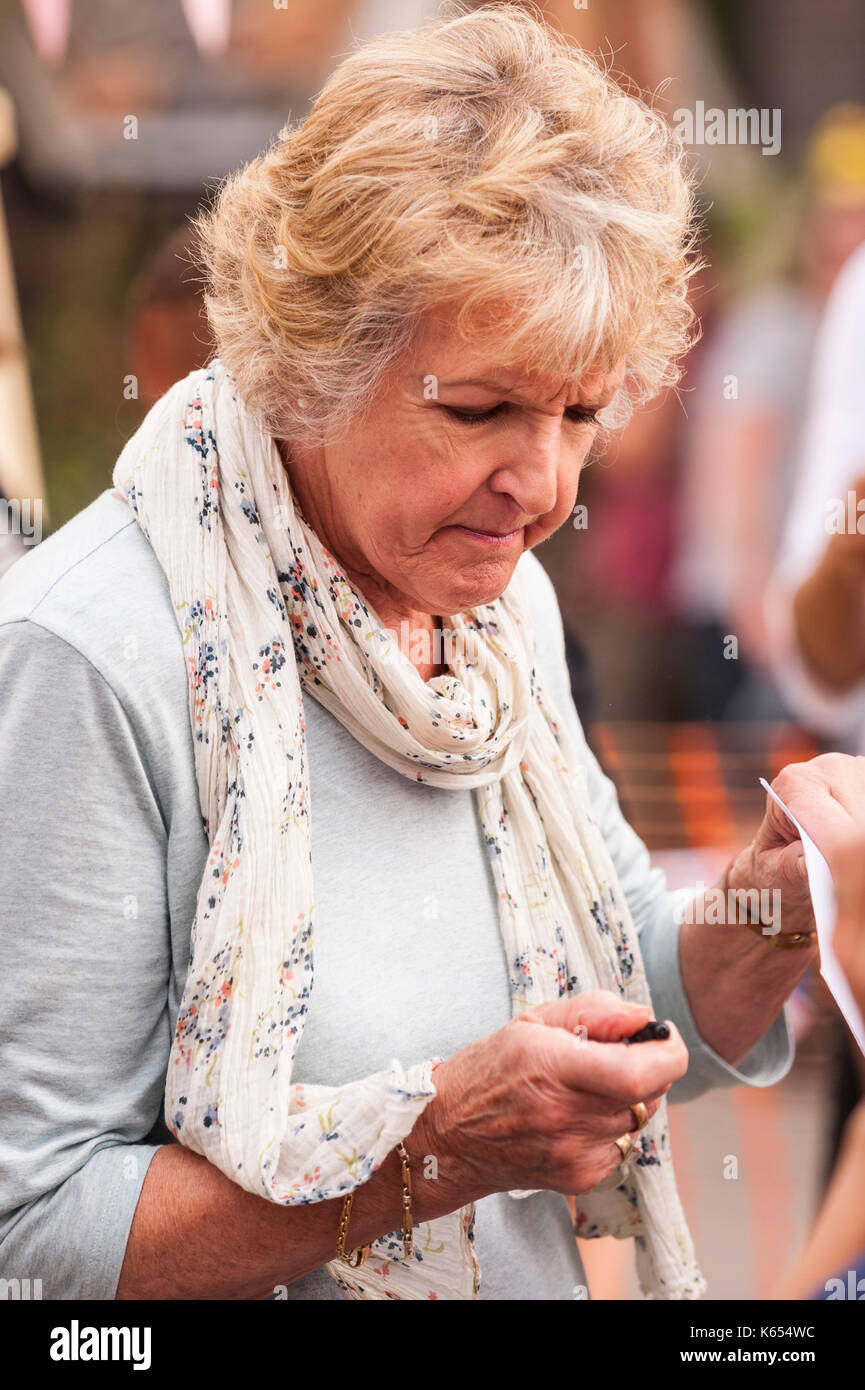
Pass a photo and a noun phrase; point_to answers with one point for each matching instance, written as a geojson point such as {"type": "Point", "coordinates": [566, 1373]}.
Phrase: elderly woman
{"type": "Point", "coordinates": [312, 858]}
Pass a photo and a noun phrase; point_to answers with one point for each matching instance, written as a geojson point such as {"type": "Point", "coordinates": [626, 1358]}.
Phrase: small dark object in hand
{"type": "Point", "coordinates": [653, 1032]}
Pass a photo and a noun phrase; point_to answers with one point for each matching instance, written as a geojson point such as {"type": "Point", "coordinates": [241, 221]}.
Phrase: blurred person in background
{"type": "Point", "coordinates": [747, 413]}
{"type": "Point", "coordinates": [816, 599]}
{"type": "Point", "coordinates": [616, 580]}
{"type": "Point", "coordinates": [168, 334]}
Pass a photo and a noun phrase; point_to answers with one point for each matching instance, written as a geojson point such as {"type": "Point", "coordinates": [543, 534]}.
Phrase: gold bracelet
{"type": "Point", "coordinates": [357, 1256]}
{"type": "Point", "coordinates": [407, 1226]}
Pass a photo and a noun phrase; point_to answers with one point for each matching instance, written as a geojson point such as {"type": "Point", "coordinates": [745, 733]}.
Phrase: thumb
{"type": "Point", "coordinates": [597, 1014]}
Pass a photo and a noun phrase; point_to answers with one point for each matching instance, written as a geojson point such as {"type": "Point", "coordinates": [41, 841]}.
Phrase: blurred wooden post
{"type": "Point", "coordinates": [20, 460]}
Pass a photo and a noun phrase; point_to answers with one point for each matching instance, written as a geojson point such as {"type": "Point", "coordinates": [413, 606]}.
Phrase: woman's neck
{"type": "Point", "coordinates": [419, 635]}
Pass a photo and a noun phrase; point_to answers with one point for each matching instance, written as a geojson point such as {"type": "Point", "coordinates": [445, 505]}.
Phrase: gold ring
{"type": "Point", "coordinates": [640, 1114]}
{"type": "Point", "coordinates": [626, 1147]}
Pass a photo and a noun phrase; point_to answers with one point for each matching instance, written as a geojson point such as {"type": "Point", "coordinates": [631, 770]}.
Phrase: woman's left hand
{"type": "Point", "coordinates": [827, 797]}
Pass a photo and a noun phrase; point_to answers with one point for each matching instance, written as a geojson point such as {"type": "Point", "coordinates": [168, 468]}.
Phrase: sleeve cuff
{"type": "Point", "coordinates": [767, 1062]}
{"type": "Point", "coordinates": [74, 1238]}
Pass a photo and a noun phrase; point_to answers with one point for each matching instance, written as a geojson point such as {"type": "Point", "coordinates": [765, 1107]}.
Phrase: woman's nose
{"type": "Point", "coordinates": [531, 472]}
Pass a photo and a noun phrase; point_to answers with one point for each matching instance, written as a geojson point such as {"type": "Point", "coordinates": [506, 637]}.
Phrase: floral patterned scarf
{"type": "Point", "coordinates": [267, 616]}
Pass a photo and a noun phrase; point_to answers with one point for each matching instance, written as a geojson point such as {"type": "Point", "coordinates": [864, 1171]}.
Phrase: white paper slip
{"type": "Point", "coordinates": [825, 911]}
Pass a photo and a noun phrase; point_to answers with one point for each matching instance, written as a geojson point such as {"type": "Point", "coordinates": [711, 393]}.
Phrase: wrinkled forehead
{"type": "Point", "coordinates": [479, 359]}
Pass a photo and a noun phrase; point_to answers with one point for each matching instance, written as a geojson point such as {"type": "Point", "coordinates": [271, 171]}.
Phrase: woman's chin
{"type": "Point", "coordinates": [470, 585]}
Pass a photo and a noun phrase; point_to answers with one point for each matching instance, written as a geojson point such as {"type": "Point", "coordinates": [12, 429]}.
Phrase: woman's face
{"type": "Point", "coordinates": [431, 500]}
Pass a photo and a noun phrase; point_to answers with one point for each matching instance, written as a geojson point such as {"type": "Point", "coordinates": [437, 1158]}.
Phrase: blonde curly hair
{"type": "Point", "coordinates": [480, 161]}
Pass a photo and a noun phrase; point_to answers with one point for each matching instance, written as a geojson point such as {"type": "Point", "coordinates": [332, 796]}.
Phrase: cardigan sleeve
{"type": "Point", "coordinates": [83, 925]}
{"type": "Point", "coordinates": [653, 908]}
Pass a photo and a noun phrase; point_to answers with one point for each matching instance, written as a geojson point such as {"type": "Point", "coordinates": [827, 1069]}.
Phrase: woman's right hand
{"type": "Point", "coordinates": [540, 1103]}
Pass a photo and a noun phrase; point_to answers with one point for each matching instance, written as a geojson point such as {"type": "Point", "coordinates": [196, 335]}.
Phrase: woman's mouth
{"type": "Point", "coordinates": [494, 538]}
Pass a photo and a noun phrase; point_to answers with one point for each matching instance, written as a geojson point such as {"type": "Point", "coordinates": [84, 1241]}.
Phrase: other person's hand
{"type": "Point", "coordinates": [846, 859]}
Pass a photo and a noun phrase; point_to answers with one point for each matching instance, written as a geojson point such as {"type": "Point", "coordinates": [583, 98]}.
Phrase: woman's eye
{"type": "Point", "coordinates": [472, 417]}
{"type": "Point", "coordinates": [577, 414]}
